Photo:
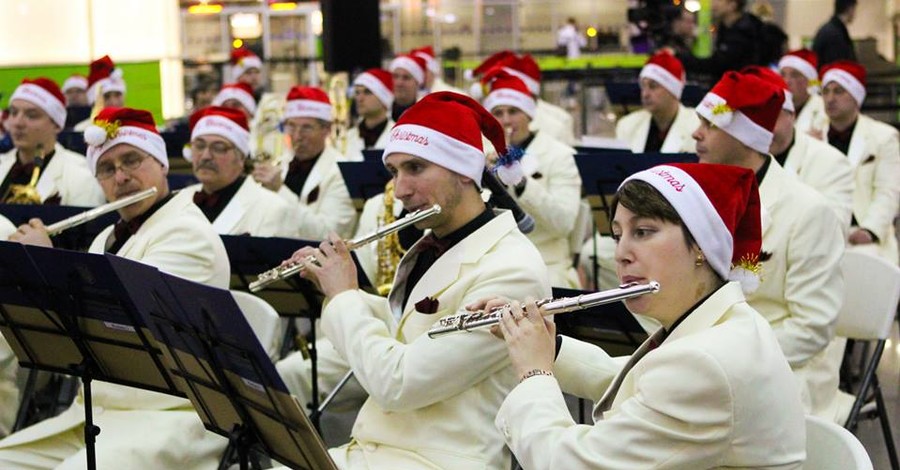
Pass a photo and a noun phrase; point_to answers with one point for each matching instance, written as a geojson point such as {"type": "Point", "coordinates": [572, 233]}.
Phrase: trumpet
{"type": "Point", "coordinates": [92, 214]}
{"type": "Point", "coordinates": [281, 272]}
{"type": "Point", "coordinates": [482, 319]}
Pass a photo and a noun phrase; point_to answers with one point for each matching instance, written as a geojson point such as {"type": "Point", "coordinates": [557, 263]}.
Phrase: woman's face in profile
{"type": "Point", "coordinates": [649, 249]}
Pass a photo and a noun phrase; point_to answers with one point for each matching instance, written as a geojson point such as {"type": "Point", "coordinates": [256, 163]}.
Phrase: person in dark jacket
{"type": "Point", "coordinates": [736, 45]}
{"type": "Point", "coordinates": [832, 41]}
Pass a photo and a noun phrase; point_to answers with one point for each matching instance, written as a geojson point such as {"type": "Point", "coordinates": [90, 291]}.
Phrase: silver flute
{"type": "Point", "coordinates": [482, 319]}
{"type": "Point", "coordinates": [92, 214]}
{"type": "Point", "coordinates": [281, 272]}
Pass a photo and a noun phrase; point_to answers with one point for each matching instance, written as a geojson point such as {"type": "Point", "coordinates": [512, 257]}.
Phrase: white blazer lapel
{"type": "Point", "coordinates": [857, 150]}
{"type": "Point", "coordinates": [639, 138]}
{"type": "Point", "coordinates": [316, 175]}
{"type": "Point", "coordinates": [674, 139]}
{"type": "Point", "coordinates": [6, 162]}
{"type": "Point", "coordinates": [234, 211]}
{"type": "Point", "coordinates": [46, 185]}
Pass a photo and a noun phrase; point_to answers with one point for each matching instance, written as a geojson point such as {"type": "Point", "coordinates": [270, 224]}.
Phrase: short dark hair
{"type": "Point", "coordinates": [841, 6]}
{"type": "Point", "coordinates": [645, 201]}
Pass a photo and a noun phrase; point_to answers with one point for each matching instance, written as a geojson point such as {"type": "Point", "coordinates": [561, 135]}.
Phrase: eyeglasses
{"type": "Point", "coordinates": [305, 129]}
{"type": "Point", "coordinates": [129, 164]}
{"type": "Point", "coordinates": [218, 149]}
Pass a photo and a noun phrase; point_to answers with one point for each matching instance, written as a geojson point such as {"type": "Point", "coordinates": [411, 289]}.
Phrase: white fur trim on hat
{"type": "Point", "coordinates": [665, 78]}
{"type": "Point", "coordinates": [307, 108]}
{"type": "Point", "coordinates": [232, 93]}
{"type": "Point", "coordinates": [716, 110]}
{"type": "Point", "coordinates": [75, 82]}
{"type": "Point", "coordinates": [699, 215]}
{"type": "Point", "coordinates": [801, 65]}
{"type": "Point", "coordinates": [533, 85]}
{"type": "Point", "coordinates": [43, 99]}
{"type": "Point", "coordinates": [848, 82]}
{"type": "Point", "coordinates": [509, 97]}
{"type": "Point", "coordinates": [145, 140]}
{"type": "Point", "coordinates": [430, 62]}
{"type": "Point", "coordinates": [376, 86]}
{"type": "Point", "coordinates": [225, 128]}
{"type": "Point", "coordinates": [246, 63]}
{"type": "Point", "coordinates": [406, 63]}
{"type": "Point", "coordinates": [438, 148]}
{"type": "Point", "coordinates": [108, 84]}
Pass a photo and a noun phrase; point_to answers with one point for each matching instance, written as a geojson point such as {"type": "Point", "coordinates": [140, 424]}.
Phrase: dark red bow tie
{"type": "Point", "coordinates": [204, 200]}
{"type": "Point", "coordinates": [125, 229]}
{"type": "Point", "coordinates": [434, 244]}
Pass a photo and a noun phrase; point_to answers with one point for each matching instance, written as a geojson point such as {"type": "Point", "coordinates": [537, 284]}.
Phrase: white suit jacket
{"type": "Point", "coordinates": [431, 401]}
{"type": "Point", "coordinates": [874, 153]}
{"type": "Point", "coordinates": [332, 209]}
{"type": "Point", "coordinates": [634, 128]}
{"type": "Point", "coordinates": [253, 210]}
{"type": "Point", "coordinates": [702, 399]}
{"type": "Point", "coordinates": [812, 117]}
{"type": "Point", "coordinates": [9, 391]}
{"type": "Point", "coordinates": [176, 239]}
{"type": "Point", "coordinates": [801, 288]}
{"type": "Point", "coordinates": [551, 196]}
{"type": "Point", "coordinates": [67, 175]}
{"type": "Point", "coordinates": [6, 228]}
{"type": "Point", "coordinates": [825, 169]}
{"type": "Point", "coordinates": [355, 143]}
{"type": "Point", "coordinates": [555, 121]}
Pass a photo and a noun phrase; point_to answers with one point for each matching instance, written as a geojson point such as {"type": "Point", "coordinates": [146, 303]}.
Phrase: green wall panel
{"type": "Point", "coordinates": [141, 78]}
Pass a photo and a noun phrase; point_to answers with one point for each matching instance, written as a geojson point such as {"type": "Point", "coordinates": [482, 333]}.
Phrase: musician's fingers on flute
{"type": "Point", "coordinates": [487, 303]}
{"type": "Point", "coordinates": [300, 255]}
{"type": "Point", "coordinates": [535, 314]}
{"type": "Point", "coordinates": [32, 233]}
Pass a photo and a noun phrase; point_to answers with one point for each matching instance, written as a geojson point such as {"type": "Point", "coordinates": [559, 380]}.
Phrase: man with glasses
{"type": "Point", "coordinates": [233, 203]}
{"type": "Point", "coordinates": [37, 113]}
{"type": "Point", "coordinates": [311, 182]}
{"type": "Point", "coordinates": [140, 429]}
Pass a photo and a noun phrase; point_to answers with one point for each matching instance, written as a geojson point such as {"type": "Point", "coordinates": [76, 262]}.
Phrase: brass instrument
{"type": "Point", "coordinates": [282, 272]}
{"type": "Point", "coordinates": [340, 114]}
{"type": "Point", "coordinates": [27, 193]}
{"type": "Point", "coordinates": [92, 214]}
{"type": "Point", "coordinates": [481, 319]}
{"type": "Point", "coordinates": [270, 141]}
{"type": "Point", "coordinates": [389, 250]}
{"type": "Point", "coordinates": [99, 102]}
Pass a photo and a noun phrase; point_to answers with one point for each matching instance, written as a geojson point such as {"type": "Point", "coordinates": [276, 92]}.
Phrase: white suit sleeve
{"type": "Point", "coordinates": [886, 192]}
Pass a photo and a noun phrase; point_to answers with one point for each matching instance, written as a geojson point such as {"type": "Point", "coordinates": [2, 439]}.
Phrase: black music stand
{"type": "Point", "coordinates": [73, 140]}
{"type": "Point", "coordinates": [609, 326]}
{"type": "Point", "coordinates": [364, 179]}
{"type": "Point", "coordinates": [67, 312]}
{"type": "Point", "coordinates": [602, 173]}
{"type": "Point", "coordinates": [373, 155]}
{"type": "Point", "coordinates": [75, 238]}
{"type": "Point", "coordinates": [226, 373]}
{"type": "Point", "coordinates": [250, 256]}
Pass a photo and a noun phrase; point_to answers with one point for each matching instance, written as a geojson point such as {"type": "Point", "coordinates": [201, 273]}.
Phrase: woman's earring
{"type": "Point", "coordinates": [700, 260]}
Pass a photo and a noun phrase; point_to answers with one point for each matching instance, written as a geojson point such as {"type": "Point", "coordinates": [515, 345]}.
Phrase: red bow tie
{"type": "Point", "coordinates": [125, 229]}
{"type": "Point", "coordinates": [434, 244]}
{"type": "Point", "coordinates": [206, 201]}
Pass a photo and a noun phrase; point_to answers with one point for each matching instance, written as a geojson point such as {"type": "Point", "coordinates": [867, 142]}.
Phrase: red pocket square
{"type": "Point", "coordinates": [427, 305]}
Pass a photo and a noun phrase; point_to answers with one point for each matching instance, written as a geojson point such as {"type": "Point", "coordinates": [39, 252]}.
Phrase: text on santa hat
{"type": "Point", "coordinates": [398, 134]}
{"type": "Point", "coordinates": [669, 178]}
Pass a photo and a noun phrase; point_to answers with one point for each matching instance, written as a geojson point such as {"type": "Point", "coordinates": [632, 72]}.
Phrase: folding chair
{"type": "Point", "coordinates": [831, 447]}
{"type": "Point", "coordinates": [264, 320]}
{"type": "Point", "coordinates": [870, 304]}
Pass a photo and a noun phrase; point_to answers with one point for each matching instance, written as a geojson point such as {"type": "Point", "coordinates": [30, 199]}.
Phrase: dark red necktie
{"type": "Point", "coordinates": [206, 201]}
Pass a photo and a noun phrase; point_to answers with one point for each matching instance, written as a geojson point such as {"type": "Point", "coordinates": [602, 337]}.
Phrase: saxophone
{"type": "Point", "coordinates": [340, 115]}
{"type": "Point", "coordinates": [388, 248]}
{"type": "Point", "coordinates": [27, 193]}
{"type": "Point", "coordinates": [270, 141]}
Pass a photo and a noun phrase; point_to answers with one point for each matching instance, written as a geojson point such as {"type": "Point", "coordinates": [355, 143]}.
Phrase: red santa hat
{"type": "Point", "coordinates": [496, 60]}
{"type": "Point", "coordinates": [105, 76]}
{"type": "Point", "coordinates": [380, 83]}
{"type": "Point", "coordinates": [526, 68]}
{"type": "Point", "coordinates": [427, 54]}
{"type": "Point", "coordinates": [849, 75]}
{"type": "Point", "coordinates": [744, 106]}
{"type": "Point", "coordinates": [305, 101]}
{"type": "Point", "coordinates": [45, 94]}
{"type": "Point", "coordinates": [665, 69]}
{"type": "Point", "coordinates": [114, 126]}
{"type": "Point", "coordinates": [76, 81]}
{"type": "Point", "coordinates": [804, 61]}
{"type": "Point", "coordinates": [446, 129]}
{"type": "Point", "coordinates": [227, 123]}
{"type": "Point", "coordinates": [719, 205]}
{"type": "Point", "coordinates": [415, 65]}
{"type": "Point", "coordinates": [509, 90]}
{"type": "Point", "coordinates": [243, 60]}
{"type": "Point", "coordinates": [774, 78]}
{"type": "Point", "coordinates": [241, 92]}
